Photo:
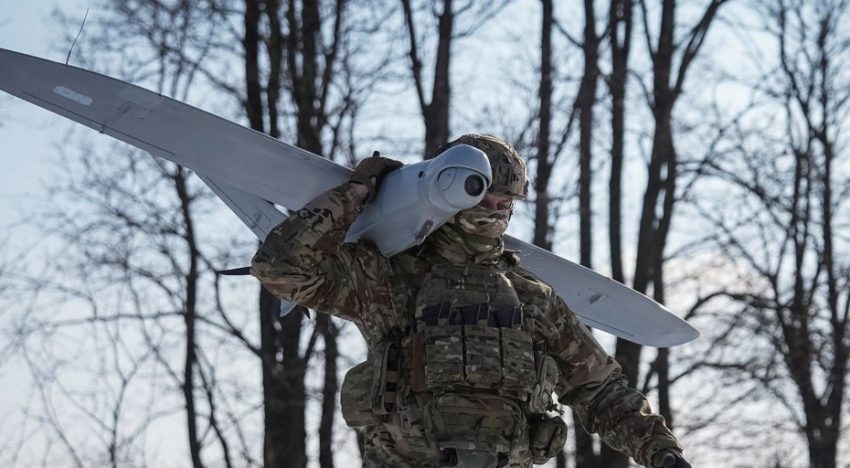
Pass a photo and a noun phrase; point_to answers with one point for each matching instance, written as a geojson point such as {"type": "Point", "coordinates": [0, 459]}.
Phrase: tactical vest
{"type": "Point", "coordinates": [469, 335]}
{"type": "Point", "coordinates": [468, 364]}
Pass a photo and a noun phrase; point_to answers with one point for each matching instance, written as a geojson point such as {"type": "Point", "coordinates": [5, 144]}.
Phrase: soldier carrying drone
{"type": "Point", "coordinates": [465, 346]}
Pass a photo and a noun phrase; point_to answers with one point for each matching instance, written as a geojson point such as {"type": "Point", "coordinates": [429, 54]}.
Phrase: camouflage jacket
{"type": "Point", "coordinates": [304, 260]}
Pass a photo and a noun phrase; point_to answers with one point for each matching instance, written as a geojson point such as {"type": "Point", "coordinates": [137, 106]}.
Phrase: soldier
{"type": "Point", "coordinates": [465, 347]}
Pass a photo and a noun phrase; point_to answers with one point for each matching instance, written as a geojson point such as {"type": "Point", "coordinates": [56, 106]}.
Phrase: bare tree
{"type": "Point", "coordinates": [312, 76]}
{"type": "Point", "coordinates": [171, 34]}
{"type": "Point", "coordinates": [435, 113]}
{"type": "Point", "coordinates": [284, 368]}
{"type": "Point", "coordinates": [585, 103]}
{"type": "Point", "coordinates": [308, 41]}
{"type": "Point", "coordinates": [544, 159]}
{"type": "Point", "coordinates": [131, 244]}
{"type": "Point", "coordinates": [791, 191]}
{"type": "Point", "coordinates": [300, 83]}
{"type": "Point", "coordinates": [670, 59]}
{"type": "Point", "coordinates": [620, 30]}
{"type": "Point", "coordinates": [172, 45]}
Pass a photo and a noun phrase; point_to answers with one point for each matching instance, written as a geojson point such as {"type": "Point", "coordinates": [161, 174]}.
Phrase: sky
{"type": "Point", "coordinates": [28, 134]}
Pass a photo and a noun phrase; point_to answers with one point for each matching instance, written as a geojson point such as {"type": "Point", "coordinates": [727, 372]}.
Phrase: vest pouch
{"type": "Point", "coordinates": [518, 371]}
{"type": "Point", "coordinates": [540, 398]}
{"type": "Point", "coordinates": [482, 351]}
{"type": "Point", "coordinates": [369, 388]}
{"type": "Point", "coordinates": [473, 422]}
{"type": "Point", "coordinates": [443, 356]}
{"type": "Point", "coordinates": [356, 395]}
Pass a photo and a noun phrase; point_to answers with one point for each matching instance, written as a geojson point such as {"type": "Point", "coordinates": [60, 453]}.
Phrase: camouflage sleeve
{"type": "Point", "coordinates": [304, 259]}
{"type": "Point", "coordinates": [591, 382]}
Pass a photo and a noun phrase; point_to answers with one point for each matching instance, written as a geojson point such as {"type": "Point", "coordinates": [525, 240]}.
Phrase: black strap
{"type": "Point", "coordinates": [471, 314]}
{"type": "Point", "coordinates": [242, 271]}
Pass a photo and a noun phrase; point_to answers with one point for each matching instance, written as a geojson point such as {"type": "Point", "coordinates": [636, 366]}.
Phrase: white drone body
{"type": "Point", "coordinates": [416, 199]}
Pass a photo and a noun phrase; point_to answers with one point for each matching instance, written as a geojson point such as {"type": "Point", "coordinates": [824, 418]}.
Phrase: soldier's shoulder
{"type": "Point", "coordinates": [510, 261]}
{"type": "Point", "coordinates": [410, 263]}
{"type": "Point", "coordinates": [525, 280]}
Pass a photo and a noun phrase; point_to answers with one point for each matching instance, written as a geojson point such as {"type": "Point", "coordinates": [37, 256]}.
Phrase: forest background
{"type": "Point", "coordinates": [695, 151]}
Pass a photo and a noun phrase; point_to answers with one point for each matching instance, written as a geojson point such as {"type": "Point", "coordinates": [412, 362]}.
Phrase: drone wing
{"type": "Point", "coordinates": [603, 303]}
{"type": "Point", "coordinates": [251, 172]}
{"type": "Point", "coordinates": [221, 150]}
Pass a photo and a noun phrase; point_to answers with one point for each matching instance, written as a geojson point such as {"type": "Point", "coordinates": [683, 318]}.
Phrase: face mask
{"type": "Point", "coordinates": [479, 221]}
{"type": "Point", "coordinates": [474, 235]}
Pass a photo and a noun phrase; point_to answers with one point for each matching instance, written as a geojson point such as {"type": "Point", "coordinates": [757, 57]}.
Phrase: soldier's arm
{"type": "Point", "coordinates": [304, 259]}
{"type": "Point", "coordinates": [592, 383]}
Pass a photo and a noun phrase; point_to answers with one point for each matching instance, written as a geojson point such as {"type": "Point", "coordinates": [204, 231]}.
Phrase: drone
{"type": "Point", "coordinates": [255, 174]}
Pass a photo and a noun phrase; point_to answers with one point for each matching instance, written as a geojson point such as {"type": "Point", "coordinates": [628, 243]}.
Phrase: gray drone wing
{"type": "Point", "coordinates": [251, 172]}
{"type": "Point", "coordinates": [217, 148]}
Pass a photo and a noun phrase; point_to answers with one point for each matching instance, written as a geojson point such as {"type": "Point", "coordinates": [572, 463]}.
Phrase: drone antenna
{"type": "Point", "coordinates": [78, 36]}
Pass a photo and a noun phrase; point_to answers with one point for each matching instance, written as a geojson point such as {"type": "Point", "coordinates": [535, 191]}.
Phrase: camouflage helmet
{"type": "Point", "coordinates": [510, 176]}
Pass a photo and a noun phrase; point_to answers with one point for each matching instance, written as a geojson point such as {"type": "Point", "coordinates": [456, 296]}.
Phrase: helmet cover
{"type": "Point", "coordinates": [510, 175]}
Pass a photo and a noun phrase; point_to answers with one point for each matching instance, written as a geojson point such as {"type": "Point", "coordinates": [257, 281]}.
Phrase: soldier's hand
{"type": "Point", "coordinates": [669, 459]}
{"type": "Point", "coordinates": [371, 170]}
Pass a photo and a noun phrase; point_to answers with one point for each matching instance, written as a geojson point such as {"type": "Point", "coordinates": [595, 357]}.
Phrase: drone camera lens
{"type": "Point", "coordinates": [474, 185]}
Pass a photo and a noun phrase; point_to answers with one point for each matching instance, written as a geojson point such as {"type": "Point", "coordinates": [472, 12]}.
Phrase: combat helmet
{"type": "Point", "coordinates": [510, 175]}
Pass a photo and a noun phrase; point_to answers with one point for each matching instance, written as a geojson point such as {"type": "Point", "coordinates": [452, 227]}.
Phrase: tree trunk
{"type": "Point", "coordinates": [823, 449]}
{"type": "Point", "coordinates": [620, 30]}
{"type": "Point", "coordinates": [437, 120]}
{"type": "Point", "coordinates": [189, 314]}
{"type": "Point", "coordinates": [310, 69]}
{"type": "Point", "coordinates": [284, 437]}
{"type": "Point", "coordinates": [435, 114]}
{"type": "Point", "coordinates": [663, 165]}
{"type": "Point", "coordinates": [251, 44]}
{"type": "Point", "coordinates": [619, 20]}
{"type": "Point", "coordinates": [284, 441]}
{"type": "Point", "coordinates": [544, 158]}
{"type": "Point", "coordinates": [585, 102]}
{"type": "Point", "coordinates": [329, 390]}
{"type": "Point", "coordinates": [561, 459]}
{"type": "Point", "coordinates": [628, 353]}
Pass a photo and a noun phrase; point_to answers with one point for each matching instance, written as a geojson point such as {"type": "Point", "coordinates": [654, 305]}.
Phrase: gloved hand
{"type": "Point", "coordinates": [370, 171]}
{"type": "Point", "coordinates": [669, 459]}
{"type": "Point", "coordinates": [548, 436]}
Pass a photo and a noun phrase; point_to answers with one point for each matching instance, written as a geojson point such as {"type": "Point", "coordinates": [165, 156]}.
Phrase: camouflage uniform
{"type": "Point", "coordinates": [413, 411]}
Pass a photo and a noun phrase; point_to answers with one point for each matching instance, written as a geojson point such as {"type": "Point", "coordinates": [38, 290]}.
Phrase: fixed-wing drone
{"type": "Point", "coordinates": [252, 172]}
